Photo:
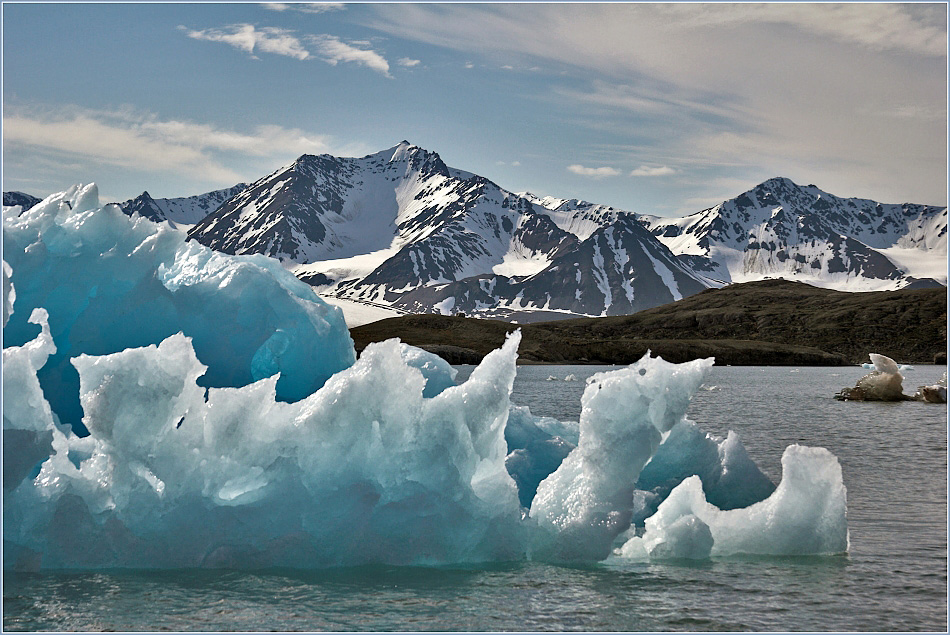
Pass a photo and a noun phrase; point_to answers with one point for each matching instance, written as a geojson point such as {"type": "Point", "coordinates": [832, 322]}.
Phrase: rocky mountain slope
{"type": "Point", "coordinates": [180, 211]}
{"type": "Point", "coordinates": [25, 201]}
{"type": "Point", "coordinates": [400, 228]}
{"type": "Point", "coordinates": [781, 229]}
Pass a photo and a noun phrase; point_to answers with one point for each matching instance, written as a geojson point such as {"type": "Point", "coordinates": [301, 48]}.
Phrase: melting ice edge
{"type": "Point", "coordinates": [231, 425]}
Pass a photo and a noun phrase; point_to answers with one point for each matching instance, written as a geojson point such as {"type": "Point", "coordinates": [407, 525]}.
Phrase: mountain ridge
{"type": "Point", "coordinates": [402, 229]}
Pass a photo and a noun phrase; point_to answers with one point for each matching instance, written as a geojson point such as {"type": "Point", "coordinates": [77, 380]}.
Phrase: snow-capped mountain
{"type": "Point", "coordinates": [781, 229]}
{"type": "Point", "coordinates": [186, 210]}
{"type": "Point", "coordinates": [400, 228]}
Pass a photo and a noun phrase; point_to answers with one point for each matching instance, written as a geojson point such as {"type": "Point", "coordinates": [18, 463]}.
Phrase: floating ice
{"type": "Point", "coordinates": [27, 419]}
{"type": "Point", "coordinates": [388, 462]}
{"type": "Point", "coordinates": [112, 282]}
{"type": "Point", "coordinates": [533, 452]}
{"type": "Point", "coordinates": [437, 372]}
{"type": "Point", "coordinates": [364, 470]}
{"type": "Point", "coordinates": [936, 393]}
{"type": "Point", "coordinates": [805, 515]}
{"type": "Point", "coordinates": [9, 294]}
{"type": "Point", "coordinates": [730, 478]}
{"type": "Point", "coordinates": [571, 377]}
{"type": "Point", "coordinates": [885, 383]}
{"type": "Point", "coordinates": [583, 506]}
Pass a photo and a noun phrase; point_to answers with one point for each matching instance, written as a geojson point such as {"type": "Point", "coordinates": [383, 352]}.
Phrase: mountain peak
{"type": "Point", "coordinates": [778, 182]}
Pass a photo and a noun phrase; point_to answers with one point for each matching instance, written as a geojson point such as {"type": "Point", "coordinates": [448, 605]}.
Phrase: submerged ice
{"type": "Point", "coordinates": [384, 460]}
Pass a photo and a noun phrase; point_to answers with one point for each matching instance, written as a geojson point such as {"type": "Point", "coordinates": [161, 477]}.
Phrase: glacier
{"type": "Point", "coordinates": [386, 460]}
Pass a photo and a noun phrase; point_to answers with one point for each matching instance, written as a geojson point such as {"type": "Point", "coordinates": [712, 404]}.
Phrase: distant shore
{"type": "Point", "coordinates": [767, 323]}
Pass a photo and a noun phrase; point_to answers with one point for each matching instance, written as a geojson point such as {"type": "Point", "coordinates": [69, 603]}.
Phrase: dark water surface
{"type": "Point", "coordinates": [894, 458]}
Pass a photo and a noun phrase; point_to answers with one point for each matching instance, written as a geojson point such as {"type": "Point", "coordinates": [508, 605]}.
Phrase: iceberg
{"type": "Point", "coordinates": [885, 383]}
{"type": "Point", "coordinates": [384, 460]}
{"type": "Point", "coordinates": [730, 479]}
{"type": "Point", "coordinates": [805, 515]}
{"type": "Point", "coordinates": [588, 501]}
{"type": "Point", "coordinates": [366, 469]}
{"type": "Point", "coordinates": [935, 393]}
{"type": "Point", "coordinates": [9, 294]}
{"type": "Point", "coordinates": [533, 452]}
{"type": "Point", "coordinates": [110, 282]}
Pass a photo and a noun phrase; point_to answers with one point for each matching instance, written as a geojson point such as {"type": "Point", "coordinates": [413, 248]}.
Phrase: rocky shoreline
{"type": "Point", "coordinates": [767, 323]}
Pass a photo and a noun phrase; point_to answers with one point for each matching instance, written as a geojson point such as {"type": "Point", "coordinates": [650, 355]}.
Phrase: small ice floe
{"type": "Point", "coordinates": [885, 383]}
{"type": "Point", "coordinates": [711, 388]}
{"type": "Point", "coordinates": [571, 377]}
{"type": "Point", "coordinates": [905, 367]}
{"type": "Point", "coordinates": [936, 393]}
{"type": "Point", "coordinates": [551, 378]}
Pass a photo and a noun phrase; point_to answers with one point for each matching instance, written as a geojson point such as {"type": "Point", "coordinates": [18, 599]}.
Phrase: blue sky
{"type": "Point", "coordinates": [662, 109]}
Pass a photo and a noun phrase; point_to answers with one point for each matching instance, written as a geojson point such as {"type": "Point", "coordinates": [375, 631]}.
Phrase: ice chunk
{"type": "Point", "coordinates": [9, 294]}
{"type": "Point", "coordinates": [533, 453]}
{"type": "Point", "coordinates": [936, 393]}
{"type": "Point", "coordinates": [588, 500]}
{"type": "Point", "coordinates": [883, 364]}
{"type": "Point", "coordinates": [885, 383]}
{"type": "Point", "coordinates": [571, 377]}
{"type": "Point", "coordinates": [27, 418]}
{"type": "Point", "coordinates": [805, 515]}
{"type": "Point", "coordinates": [111, 282]}
{"type": "Point", "coordinates": [437, 372]}
{"type": "Point", "coordinates": [364, 470]}
{"type": "Point", "coordinates": [687, 537]}
{"type": "Point", "coordinates": [730, 478]}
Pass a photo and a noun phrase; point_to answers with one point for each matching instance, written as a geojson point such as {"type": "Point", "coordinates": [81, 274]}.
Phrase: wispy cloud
{"type": "Point", "coordinates": [594, 173]}
{"type": "Point", "coordinates": [333, 50]}
{"type": "Point", "coordinates": [329, 48]}
{"type": "Point", "coordinates": [659, 170]}
{"type": "Point", "coordinates": [408, 62]}
{"type": "Point", "coordinates": [249, 38]}
{"type": "Point", "coordinates": [877, 26]}
{"type": "Point", "coordinates": [142, 141]}
{"type": "Point", "coordinates": [304, 7]}
{"type": "Point", "coordinates": [805, 89]}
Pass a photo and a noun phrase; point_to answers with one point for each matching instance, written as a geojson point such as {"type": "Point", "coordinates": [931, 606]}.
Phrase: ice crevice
{"type": "Point", "coordinates": [387, 460]}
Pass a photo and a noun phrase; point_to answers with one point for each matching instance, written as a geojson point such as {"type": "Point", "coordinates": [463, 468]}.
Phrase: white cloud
{"type": "Point", "coordinates": [248, 38]}
{"type": "Point", "coordinates": [513, 164]}
{"type": "Point", "coordinates": [330, 48]}
{"type": "Point", "coordinates": [333, 50]}
{"type": "Point", "coordinates": [594, 173]}
{"type": "Point", "coordinates": [877, 26]}
{"type": "Point", "coordinates": [142, 141]}
{"type": "Point", "coordinates": [408, 62]}
{"type": "Point", "coordinates": [646, 170]}
{"type": "Point", "coordinates": [831, 91]}
{"type": "Point", "coordinates": [304, 7]}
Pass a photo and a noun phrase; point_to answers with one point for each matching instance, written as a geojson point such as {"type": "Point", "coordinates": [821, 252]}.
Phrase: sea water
{"type": "Point", "coordinates": [894, 459]}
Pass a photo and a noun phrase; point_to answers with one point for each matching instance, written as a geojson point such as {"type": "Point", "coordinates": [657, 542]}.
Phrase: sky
{"type": "Point", "coordinates": [655, 108]}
